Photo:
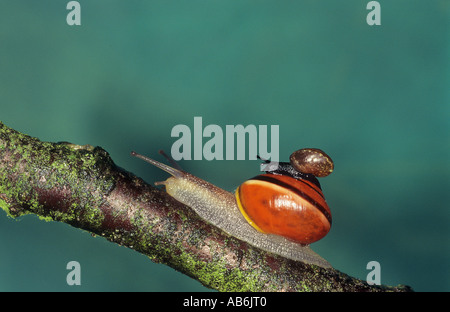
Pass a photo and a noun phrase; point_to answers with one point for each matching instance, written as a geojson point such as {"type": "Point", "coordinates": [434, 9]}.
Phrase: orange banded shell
{"type": "Point", "coordinates": [282, 205]}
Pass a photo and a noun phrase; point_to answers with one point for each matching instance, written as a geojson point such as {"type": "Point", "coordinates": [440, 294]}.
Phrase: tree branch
{"type": "Point", "coordinates": [81, 186]}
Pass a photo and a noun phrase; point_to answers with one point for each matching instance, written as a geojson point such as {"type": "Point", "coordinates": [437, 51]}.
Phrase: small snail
{"type": "Point", "coordinates": [281, 211]}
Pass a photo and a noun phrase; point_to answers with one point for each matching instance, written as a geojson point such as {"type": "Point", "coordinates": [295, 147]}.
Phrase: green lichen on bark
{"type": "Point", "coordinates": [81, 186]}
{"type": "Point", "coordinates": [36, 177]}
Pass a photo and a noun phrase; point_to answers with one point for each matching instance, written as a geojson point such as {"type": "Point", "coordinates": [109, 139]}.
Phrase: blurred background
{"type": "Point", "coordinates": [375, 98]}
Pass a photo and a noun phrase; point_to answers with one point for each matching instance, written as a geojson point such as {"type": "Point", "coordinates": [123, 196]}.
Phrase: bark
{"type": "Point", "coordinates": [81, 186]}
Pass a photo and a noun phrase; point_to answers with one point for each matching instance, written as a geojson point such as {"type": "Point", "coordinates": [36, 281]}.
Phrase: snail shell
{"type": "Point", "coordinates": [313, 161]}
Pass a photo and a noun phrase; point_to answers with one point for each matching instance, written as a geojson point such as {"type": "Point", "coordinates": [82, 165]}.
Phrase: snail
{"type": "Point", "coordinates": [281, 211]}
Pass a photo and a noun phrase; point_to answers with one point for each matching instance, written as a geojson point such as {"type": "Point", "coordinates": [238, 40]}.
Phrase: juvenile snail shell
{"type": "Point", "coordinates": [313, 161]}
{"type": "Point", "coordinates": [219, 207]}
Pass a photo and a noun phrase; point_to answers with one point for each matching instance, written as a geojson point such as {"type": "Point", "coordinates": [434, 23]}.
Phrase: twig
{"type": "Point", "coordinates": [81, 186]}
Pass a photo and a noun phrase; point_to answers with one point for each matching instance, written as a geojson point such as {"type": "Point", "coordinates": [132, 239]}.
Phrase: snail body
{"type": "Point", "coordinates": [225, 209]}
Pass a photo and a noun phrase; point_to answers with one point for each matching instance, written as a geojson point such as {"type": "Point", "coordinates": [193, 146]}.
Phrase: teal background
{"type": "Point", "coordinates": [375, 98]}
